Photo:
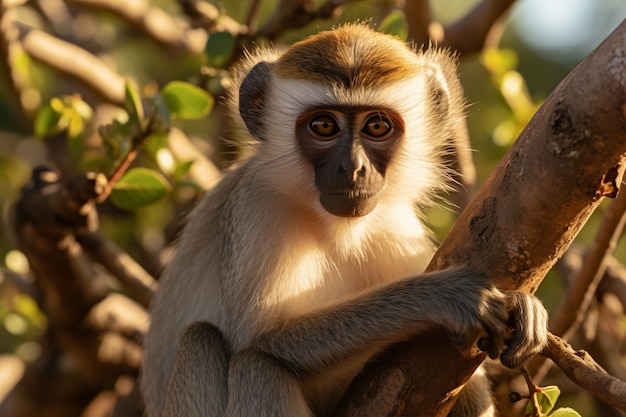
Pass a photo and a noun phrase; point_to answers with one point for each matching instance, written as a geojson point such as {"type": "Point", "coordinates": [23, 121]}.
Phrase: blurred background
{"type": "Point", "coordinates": [541, 41]}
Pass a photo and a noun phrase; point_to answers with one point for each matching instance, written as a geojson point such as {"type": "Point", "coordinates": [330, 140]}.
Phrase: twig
{"type": "Point", "coordinates": [584, 371]}
{"type": "Point", "coordinates": [143, 130]}
{"type": "Point", "coordinates": [532, 388]}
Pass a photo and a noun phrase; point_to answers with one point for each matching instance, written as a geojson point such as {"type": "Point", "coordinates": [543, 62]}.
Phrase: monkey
{"type": "Point", "coordinates": [308, 258]}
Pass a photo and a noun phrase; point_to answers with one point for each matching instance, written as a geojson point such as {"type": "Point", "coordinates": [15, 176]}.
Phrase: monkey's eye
{"type": "Point", "coordinates": [377, 127]}
{"type": "Point", "coordinates": [324, 126]}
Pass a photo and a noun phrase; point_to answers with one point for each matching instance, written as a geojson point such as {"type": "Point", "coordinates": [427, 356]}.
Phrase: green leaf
{"type": "Point", "coordinates": [75, 126]}
{"type": "Point", "coordinates": [155, 142]}
{"type": "Point", "coordinates": [139, 187]}
{"type": "Point", "coordinates": [547, 399]}
{"type": "Point", "coordinates": [182, 169]}
{"type": "Point", "coordinates": [395, 24]}
{"type": "Point", "coordinates": [219, 49]}
{"type": "Point", "coordinates": [47, 121]}
{"type": "Point", "coordinates": [133, 104]}
{"type": "Point", "coordinates": [187, 101]}
{"type": "Point", "coordinates": [565, 412]}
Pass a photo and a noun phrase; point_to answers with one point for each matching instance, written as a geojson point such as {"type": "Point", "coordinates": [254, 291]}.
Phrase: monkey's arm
{"type": "Point", "coordinates": [459, 300]}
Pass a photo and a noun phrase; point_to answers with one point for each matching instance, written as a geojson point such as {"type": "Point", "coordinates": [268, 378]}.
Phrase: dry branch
{"type": "Point", "coordinates": [520, 222]}
{"type": "Point", "coordinates": [584, 371]}
{"type": "Point", "coordinates": [92, 335]}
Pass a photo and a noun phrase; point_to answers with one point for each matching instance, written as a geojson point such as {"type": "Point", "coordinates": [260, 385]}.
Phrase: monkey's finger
{"type": "Point", "coordinates": [529, 323]}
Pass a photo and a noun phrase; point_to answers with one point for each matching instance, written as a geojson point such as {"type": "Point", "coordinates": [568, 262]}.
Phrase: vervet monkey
{"type": "Point", "coordinates": [308, 258]}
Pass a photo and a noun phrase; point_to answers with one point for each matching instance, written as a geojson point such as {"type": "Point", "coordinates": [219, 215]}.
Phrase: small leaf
{"type": "Point", "coordinates": [47, 121]}
{"type": "Point", "coordinates": [547, 399]}
{"type": "Point", "coordinates": [75, 126]}
{"type": "Point", "coordinates": [139, 187]}
{"type": "Point", "coordinates": [182, 169]}
{"type": "Point", "coordinates": [58, 104]}
{"type": "Point", "coordinates": [395, 24]}
{"type": "Point", "coordinates": [219, 49]}
{"type": "Point", "coordinates": [187, 101]}
{"type": "Point", "coordinates": [80, 107]}
{"type": "Point", "coordinates": [133, 104]}
{"type": "Point", "coordinates": [565, 412]}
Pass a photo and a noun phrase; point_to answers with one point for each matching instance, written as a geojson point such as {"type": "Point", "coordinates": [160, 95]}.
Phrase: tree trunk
{"type": "Point", "coordinates": [520, 222]}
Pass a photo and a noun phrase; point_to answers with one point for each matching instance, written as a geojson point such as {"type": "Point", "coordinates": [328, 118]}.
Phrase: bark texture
{"type": "Point", "coordinates": [520, 222]}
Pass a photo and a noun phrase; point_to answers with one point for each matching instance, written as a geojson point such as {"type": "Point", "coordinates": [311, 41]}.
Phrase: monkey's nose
{"type": "Point", "coordinates": [354, 166]}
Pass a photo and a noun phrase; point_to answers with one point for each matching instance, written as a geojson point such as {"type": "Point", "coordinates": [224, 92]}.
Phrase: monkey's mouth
{"type": "Point", "coordinates": [349, 202]}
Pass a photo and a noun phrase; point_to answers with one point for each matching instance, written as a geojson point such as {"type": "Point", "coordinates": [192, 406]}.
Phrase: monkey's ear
{"type": "Point", "coordinates": [438, 89]}
{"type": "Point", "coordinates": [252, 98]}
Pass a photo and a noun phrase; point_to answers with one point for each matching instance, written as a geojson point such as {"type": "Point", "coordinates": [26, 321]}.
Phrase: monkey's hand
{"type": "Point", "coordinates": [529, 320]}
{"type": "Point", "coordinates": [477, 307]}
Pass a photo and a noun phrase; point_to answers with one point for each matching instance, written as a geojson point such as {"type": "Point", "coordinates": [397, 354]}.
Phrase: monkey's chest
{"type": "Point", "coordinates": [307, 286]}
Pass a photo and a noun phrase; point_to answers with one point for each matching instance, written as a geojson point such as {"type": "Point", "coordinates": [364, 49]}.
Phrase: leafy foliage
{"type": "Point", "coordinates": [546, 400]}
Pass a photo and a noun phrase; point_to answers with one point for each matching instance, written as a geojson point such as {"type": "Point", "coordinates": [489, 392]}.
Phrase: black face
{"type": "Point", "coordinates": [349, 149]}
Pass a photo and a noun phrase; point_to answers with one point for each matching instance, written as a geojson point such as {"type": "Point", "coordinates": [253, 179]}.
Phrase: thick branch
{"type": "Point", "coordinates": [520, 222]}
{"type": "Point", "coordinates": [577, 300]}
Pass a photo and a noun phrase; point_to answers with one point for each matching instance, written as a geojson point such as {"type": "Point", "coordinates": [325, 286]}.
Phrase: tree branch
{"type": "Point", "coordinates": [293, 14]}
{"type": "Point", "coordinates": [519, 223]}
{"type": "Point", "coordinates": [574, 306]}
{"type": "Point", "coordinates": [139, 284]}
{"type": "Point", "coordinates": [469, 34]}
{"type": "Point", "coordinates": [155, 22]}
{"type": "Point", "coordinates": [76, 62]}
{"type": "Point", "coordinates": [584, 371]}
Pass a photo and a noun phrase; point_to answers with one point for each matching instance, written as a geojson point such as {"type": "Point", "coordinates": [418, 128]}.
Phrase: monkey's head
{"type": "Point", "coordinates": [351, 116]}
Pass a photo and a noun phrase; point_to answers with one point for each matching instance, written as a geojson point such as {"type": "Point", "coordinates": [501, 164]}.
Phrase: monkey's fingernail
{"type": "Point", "coordinates": [484, 344]}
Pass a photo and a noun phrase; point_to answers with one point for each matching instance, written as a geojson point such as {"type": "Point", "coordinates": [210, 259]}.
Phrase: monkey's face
{"type": "Point", "coordinates": [349, 121]}
{"type": "Point", "coordinates": [349, 149]}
